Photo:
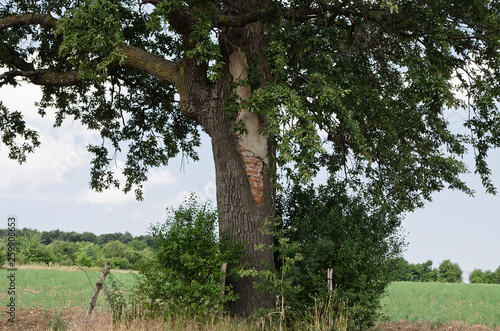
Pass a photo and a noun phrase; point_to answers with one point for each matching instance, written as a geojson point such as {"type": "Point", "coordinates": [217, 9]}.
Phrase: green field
{"type": "Point", "coordinates": [440, 303]}
{"type": "Point", "coordinates": [443, 303]}
{"type": "Point", "coordinates": [56, 288]}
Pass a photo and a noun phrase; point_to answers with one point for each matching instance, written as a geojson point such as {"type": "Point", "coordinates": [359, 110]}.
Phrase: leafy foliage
{"type": "Point", "coordinates": [373, 76]}
{"type": "Point", "coordinates": [333, 229]}
{"type": "Point", "coordinates": [70, 248]}
{"type": "Point", "coordinates": [116, 298]}
{"type": "Point", "coordinates": [12, 125]}
{"type": "Point", "coordinates": [478, 276]}
{"type": "Point", "coordinates": [449, 272]}
{"type": "Point", "coordinates": [409, 272]}
{"type": "Point", "coordinates": [184, 275]}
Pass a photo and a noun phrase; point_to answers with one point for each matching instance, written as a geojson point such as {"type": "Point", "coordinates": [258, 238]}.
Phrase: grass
{"type": "Point", "coordinates": [442, 303]}
{"type": "Point", "coordinates": [54, 299]}
{"type": "Point", "coordinates": [62, 295]}
{"type": "Point", "coordinates": [59, 289]}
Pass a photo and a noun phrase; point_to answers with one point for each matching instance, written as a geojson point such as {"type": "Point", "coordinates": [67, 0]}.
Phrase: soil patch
{"type": "Point", "coordinates": [45, 319]}
{"type": "Point", "coordinates": [434, 326]}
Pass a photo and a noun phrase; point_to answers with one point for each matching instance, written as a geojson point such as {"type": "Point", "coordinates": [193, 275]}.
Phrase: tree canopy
{"type": "Point", "coordinates": [358, 87]}
{"type": "Point", "coordinates": [373, 75]}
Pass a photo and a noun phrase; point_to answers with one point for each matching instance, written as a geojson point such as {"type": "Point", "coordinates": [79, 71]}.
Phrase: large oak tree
{"type": "Point", "coordinates": [358, 87]}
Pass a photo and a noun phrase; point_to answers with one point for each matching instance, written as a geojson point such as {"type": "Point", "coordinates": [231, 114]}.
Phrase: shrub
{"type": "Point", "coordinates": [496, 276]}
{"type": "Point", "coordinates": [184, 274]}
{"type": "Point", "coordinates": [449, 272]}
{"type": "Point", "coordinates": [347, 233]}
{"type": "Point", "coordinates": [64, 252]}
{"type": "Point", "coordinates": [3, 255]}
{"type": "Point", "coordinates": [30, 249]}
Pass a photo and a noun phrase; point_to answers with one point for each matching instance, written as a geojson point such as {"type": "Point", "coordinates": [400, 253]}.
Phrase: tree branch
{"type": "Point", "coordinates": [179, 74]}
{"type": "Point", "coordinates": [47, 77]}
{"type": "Point", "coordinates": [487, 33]}
{"type": "Point", "coordinates": [12, 57]}
{"type": "Point", "coordinates": [299, 15]}
{"type": "Point", "coordinates": [28, 19]}
{"type": "Point", "coordinates": [154, 65]}
{"type": "Point", "coordinates": [134, 58]}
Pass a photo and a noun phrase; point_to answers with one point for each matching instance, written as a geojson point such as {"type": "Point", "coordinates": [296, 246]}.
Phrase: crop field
{"type": "Point", "coordinates": [443, 303]}
{"type": "Point", "coordinates": [44, 296]}
{"type": "Point", "coordinates": [56, 288]}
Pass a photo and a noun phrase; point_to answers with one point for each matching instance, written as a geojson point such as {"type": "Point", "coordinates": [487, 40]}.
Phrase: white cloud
{"type": "Point", "coordinates": [160, 177]}
{"type": "Point", "coordinates": [112, 196]}
{"type": "Point", "coordinates": [178, 199]}
{"type": "Point", "coordinates": [138, 215]}
{"type": "Point", "coordinates": [57, 156]}
{"type": "Point", "coordinates": [62, 150]}
{"type": "Point", "coordinates": [209, 190]}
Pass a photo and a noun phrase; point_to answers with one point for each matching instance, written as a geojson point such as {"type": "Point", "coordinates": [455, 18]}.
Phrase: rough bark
{"type": "Point", "coordinates": [245, 192]}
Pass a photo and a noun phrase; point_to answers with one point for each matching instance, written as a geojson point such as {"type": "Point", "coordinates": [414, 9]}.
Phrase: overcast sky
{"type": "Point", "coordinates": [51, 191]}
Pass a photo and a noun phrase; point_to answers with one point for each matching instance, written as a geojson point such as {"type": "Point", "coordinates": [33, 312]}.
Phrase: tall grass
{"type": "Point", "coordinates": [71, 319]}
{"type": "Point", "coordinates": [55, 297]}
{"type": "Point", "coordinates": [443, 303]}
{"type": "Point", "coordinates": [57, 300]}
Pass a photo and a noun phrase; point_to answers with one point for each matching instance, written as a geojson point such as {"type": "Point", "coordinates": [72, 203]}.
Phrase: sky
{"type": "Point", "coordinates": [51, 191]}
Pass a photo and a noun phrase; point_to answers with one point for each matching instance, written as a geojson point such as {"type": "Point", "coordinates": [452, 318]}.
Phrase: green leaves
{"type": "Point", "coordinates": [356, 87]}
{"type": "Point", "coordinates": [291, 128]}
{"type": "Point", "coordinates": [185, 273]}
{"type": "Point", "coordinates": [331, 228]}
{"type": "Point", "coordinates": [91, 37]}
{"type": "Point", "coordinates": [13, 127]}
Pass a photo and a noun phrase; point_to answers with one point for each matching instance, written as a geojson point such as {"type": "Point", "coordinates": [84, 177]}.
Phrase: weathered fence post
{"type": "Point", "coordinates": [96, 292]}
{"type": "Point", "coordinates": [223, 268]}
{"type": "Point", "coordinates": [329, 279]}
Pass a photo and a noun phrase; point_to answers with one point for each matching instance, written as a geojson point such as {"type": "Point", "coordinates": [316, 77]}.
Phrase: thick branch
{"type": "Point", "coordinates": [134, 57]}
{"type": "Point", "coordinates": [47, 77]}
{"type": "Point", "coordinates": [13, 58]}
{"type": "Point", "coordinates": [28, 19]}
{"type": "Point", "coordinates": [154, 65]}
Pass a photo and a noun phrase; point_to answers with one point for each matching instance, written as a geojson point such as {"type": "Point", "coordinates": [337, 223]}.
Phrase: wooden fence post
{"type": "Point", "coordinates": [329, 279]}
{"type": "Point", "coordinates": [96, 292]}
{"type": "Point", "coordinates": [223, 268]}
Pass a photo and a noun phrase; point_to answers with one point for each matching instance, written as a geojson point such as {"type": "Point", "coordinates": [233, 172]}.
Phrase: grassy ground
{"type": "Point", "coordinates": [49, 295]}
{"type": "Point", "coordinates": [38, 288]}
{"type": "Point", "coordinates": [443, 303]}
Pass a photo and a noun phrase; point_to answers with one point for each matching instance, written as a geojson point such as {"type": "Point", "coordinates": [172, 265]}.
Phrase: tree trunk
{"type": "Point", "coordinates": [245, 192]}
{"type": "Point", "coordinates": [243, 216]}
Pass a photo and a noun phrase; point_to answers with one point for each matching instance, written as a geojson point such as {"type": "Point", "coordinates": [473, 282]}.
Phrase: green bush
{"type": "Point", "coordinates": [496, 276]}
{"type": "Point", "coordinates": [29, 249]}
{"type": "Point", "coordinates": [449, 272]}
{"type": "Point", "coordinates": [184, 274]}
{"type": "Point", "coordinates": [403, 271]}
{"type": "Point", "coordinates": [65, 253]}
{"type": "Point", "coordinates": [334, 229]}
{"type": "Point", "coordinates": [477, 276]}
{"type": "Point", "coordinates": [84, 260]}
{"type": "Point", "coordinates": [3, 255]}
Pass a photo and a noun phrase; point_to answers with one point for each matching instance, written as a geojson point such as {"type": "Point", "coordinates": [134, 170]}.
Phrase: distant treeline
{"type": "Point", "coordinates": [447, 272]}
{"type": "Point", "coordinates": [119, 250]}
{"type": "Point", "coordinates": [48, 237]}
